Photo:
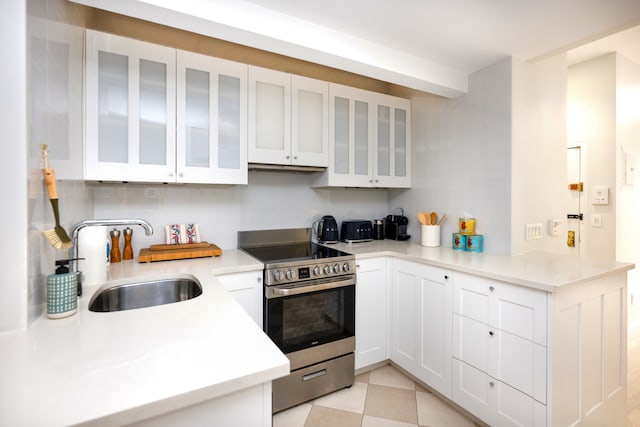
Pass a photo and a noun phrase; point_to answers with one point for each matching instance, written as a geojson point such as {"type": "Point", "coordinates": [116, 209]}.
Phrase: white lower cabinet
{"type": "Point", "coordinates": [371, 312]}
{"type": "Point", "coordinates": [499, 351]}
{"type": "Point", "coordinates": [421, 322]}
{"type": "Point", "coordinates": [493, 401]}
{"type": "Point", "coordinates": [247, 289]}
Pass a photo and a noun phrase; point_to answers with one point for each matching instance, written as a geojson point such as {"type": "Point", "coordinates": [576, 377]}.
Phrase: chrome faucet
{"type": "Point", "coordinates": [148, 229]}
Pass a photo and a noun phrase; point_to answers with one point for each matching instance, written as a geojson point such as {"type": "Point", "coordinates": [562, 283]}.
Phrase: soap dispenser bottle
{"type": "Point", "coordinates": [62, 291]}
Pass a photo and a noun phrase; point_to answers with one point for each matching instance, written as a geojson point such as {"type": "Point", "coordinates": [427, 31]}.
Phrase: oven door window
{"type": "Point", "coordinates": [306, 320]}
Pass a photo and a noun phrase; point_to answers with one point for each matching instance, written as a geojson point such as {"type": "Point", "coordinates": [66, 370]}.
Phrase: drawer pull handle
{"type": "Point", "coordinates": [492, 384]}
{"type": "Point", "coordinates": [313, 375]}
{"type": "Point", "coordinates": [491, 333]}
{"type": "Point", "coordinates": [446, 277]}
{"type": "Point", "coordinates": [491, 288]}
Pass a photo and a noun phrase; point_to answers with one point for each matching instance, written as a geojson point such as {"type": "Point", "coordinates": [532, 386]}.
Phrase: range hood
{"type": "Point", "coordinates": [285, 168]}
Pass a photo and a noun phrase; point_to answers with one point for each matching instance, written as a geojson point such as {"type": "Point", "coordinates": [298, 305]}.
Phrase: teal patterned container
{"type": "Point", "coordinates": [474, 243]}
{"type": "Point", "coordinates": [62, 295]}
{"type": "Point", "coordinates": [459, 241]}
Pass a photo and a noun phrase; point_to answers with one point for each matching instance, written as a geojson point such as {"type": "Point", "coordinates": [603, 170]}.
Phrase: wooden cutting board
{"type": "Point", "coordinates": [172, 252]}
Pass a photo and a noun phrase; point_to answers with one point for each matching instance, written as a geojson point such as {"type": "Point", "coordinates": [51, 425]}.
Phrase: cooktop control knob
{"type": "Point", "coordinates": [345, 267]}
{"type": "Point", "coordinates": [289, 275]}
{"type": "Point", "coordinates": [276, 275]}
{"type": "Point", "coordinates": [327, 269]}
{"type": "Point", "coordinates": [316, 271]}
{"type": "Point", "coordinates": [336, 268]}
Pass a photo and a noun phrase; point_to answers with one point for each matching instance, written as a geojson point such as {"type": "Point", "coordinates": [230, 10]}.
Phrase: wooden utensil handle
{"type": "Point", "coordinates": [50, 180]}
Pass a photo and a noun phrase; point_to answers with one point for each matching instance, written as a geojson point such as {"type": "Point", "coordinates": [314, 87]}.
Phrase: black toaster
{"type": "Point", "coordinates": [356, 230]}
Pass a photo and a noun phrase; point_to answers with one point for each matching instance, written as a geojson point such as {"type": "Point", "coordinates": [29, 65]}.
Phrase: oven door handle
{"type": "Point", "coordinates": [275, 291]}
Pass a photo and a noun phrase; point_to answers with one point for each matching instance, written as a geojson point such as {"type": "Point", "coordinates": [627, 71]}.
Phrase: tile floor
{"type": "Point", "coordinates": [383, 397]}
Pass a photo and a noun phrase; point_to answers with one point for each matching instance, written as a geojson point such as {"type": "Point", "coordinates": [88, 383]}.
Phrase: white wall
{"type": "Point", "coordinates": [462, 159]}
{"type": "Point", "coordinates": [628, 203]}
{"type": "Point", "coordinates": [13, 173]}
{"type": "Point", "coordinates": [539, 153]}
{"type": "Point", "coordinates": [592, 122]}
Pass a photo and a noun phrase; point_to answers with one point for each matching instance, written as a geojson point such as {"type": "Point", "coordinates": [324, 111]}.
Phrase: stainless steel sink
{"type": "Point", "coordinates": [148, 293]}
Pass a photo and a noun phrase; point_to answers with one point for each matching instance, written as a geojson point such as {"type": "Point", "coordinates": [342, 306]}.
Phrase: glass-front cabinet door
{"type": "Point", "coordinates": [130, 110]}
{"type": "Point", "coordinates": [393, 142]}
{"type": "Point", "coordinates": [211, 120]}
{"type": "Point", "coordinates": [269, 116]}
{"type": "Point", "coordinates": [309, 121]}
{"type": "Point", "coordinates": [351, 132]}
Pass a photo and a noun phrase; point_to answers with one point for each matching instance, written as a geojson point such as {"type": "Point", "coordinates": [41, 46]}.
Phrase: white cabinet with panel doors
{"type": "Point", "coordinates": [156, 114]}
{"type": "Point", "coordinates": [372, 297]}
{"type": "Point", "coordinates": [211, 120]}
{"type": "Point", "coordinates": [130, 109]}
{"type": "Point", "coordinates": [500, 351]}
{"type": "Point", "coordinates": [288, 119]}
{"type": "Point", "coordinates": [369, 139]}
{"type": "Point", "coordinates": [421, 322]}
{"type": "Point", "coordinates": [247, 289]}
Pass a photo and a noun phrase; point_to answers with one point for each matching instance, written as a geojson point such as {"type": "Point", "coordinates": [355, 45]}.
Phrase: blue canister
{"type": "Point", "coordinates": [62, 291]}
{"type": "Point", "coordinates": [474, 243]}
{"type": "Point", "coordinates": [459, 241]}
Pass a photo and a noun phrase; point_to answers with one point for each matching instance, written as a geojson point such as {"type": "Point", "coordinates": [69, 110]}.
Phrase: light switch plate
{"type": "Point", "coordinates": [533, 231]}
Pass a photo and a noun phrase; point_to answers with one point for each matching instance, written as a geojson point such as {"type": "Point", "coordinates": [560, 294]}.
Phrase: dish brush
{"type": "Point", "coordinates": [58, 237]}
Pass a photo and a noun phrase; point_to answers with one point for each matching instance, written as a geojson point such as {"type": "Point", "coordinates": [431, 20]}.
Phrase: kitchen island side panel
{"type": "Point", "coordinates": [588, 374]}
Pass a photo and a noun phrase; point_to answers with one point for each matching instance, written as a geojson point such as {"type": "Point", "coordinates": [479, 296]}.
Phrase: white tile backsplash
{"type": "Point", "coordinates": [462, 159]}
{"type": "Point", "coordinates": [270, 200]}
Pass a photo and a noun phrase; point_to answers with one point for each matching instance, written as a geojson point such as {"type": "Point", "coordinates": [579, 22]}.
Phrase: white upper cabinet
{"type": "Point", "coordinates": [392, 166]}
{"type": "Point", "coordinates": [288, 119]}
{"type": "Point", "coordinates": [211, 120]}
{"type": "Point", "coordinates": [157, 114]}
{"type": "Point", "coordinates": [369, 139]}
{"type": "Point", "coordinates": [309, 121]}
{"type": "Point", "coordinates": [130, 110]}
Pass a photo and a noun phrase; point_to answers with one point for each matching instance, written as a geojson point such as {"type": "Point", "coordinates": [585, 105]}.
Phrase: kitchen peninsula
{"type": "Point", "coordinates": [173, 363]}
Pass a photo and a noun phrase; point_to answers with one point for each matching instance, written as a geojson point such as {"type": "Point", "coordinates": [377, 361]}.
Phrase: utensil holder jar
{"type": "Point", "coordinates": [430, 235]}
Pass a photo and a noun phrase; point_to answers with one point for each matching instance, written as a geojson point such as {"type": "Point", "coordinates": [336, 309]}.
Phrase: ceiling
{"type": "Point", "coordinates": [429, 45]}
{"type": "Point", "coordinates": [469, 34]}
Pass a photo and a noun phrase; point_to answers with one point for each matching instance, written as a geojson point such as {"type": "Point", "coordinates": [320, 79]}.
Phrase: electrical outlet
{"type": "Point", "coordinates": [596, 220]}
{"type": "Point", "coordinates": [553, 227]}
{"type": "Point", "coordinates": [533, 231]}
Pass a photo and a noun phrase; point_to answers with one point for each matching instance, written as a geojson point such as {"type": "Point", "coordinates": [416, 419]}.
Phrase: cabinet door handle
{"type": "Point", "coordinates": [491, 384]}
{"type": "Point", "coordinates": [492, 288]}
{"type": "Point", "coordinates": [491, 333]}
{"type": "Point", "coordinates": [446, 277]}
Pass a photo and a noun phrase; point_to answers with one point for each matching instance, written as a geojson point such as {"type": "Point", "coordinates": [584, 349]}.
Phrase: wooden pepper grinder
{"type": "Point", "coordinates": [127, 252]}
{"type": "Point", "coordinates": [115, 245]}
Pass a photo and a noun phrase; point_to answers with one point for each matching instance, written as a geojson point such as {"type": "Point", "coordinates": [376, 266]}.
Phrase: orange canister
{"type": "Point", "coordinates": [467, 225]}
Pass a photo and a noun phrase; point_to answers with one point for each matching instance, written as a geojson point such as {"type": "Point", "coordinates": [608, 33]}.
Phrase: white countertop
{"type": "Point", "coordinates": [539, 270]}
{"type": "Point", "coordinates": [120, 367]}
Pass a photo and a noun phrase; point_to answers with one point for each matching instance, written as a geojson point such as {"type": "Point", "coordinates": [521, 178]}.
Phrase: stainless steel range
{"type": "Point", "coordinates": [309, 311]}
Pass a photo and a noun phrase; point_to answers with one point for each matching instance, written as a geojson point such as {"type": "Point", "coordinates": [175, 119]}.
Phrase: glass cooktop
{"type": "Point", "coordinates": [293, 252]}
